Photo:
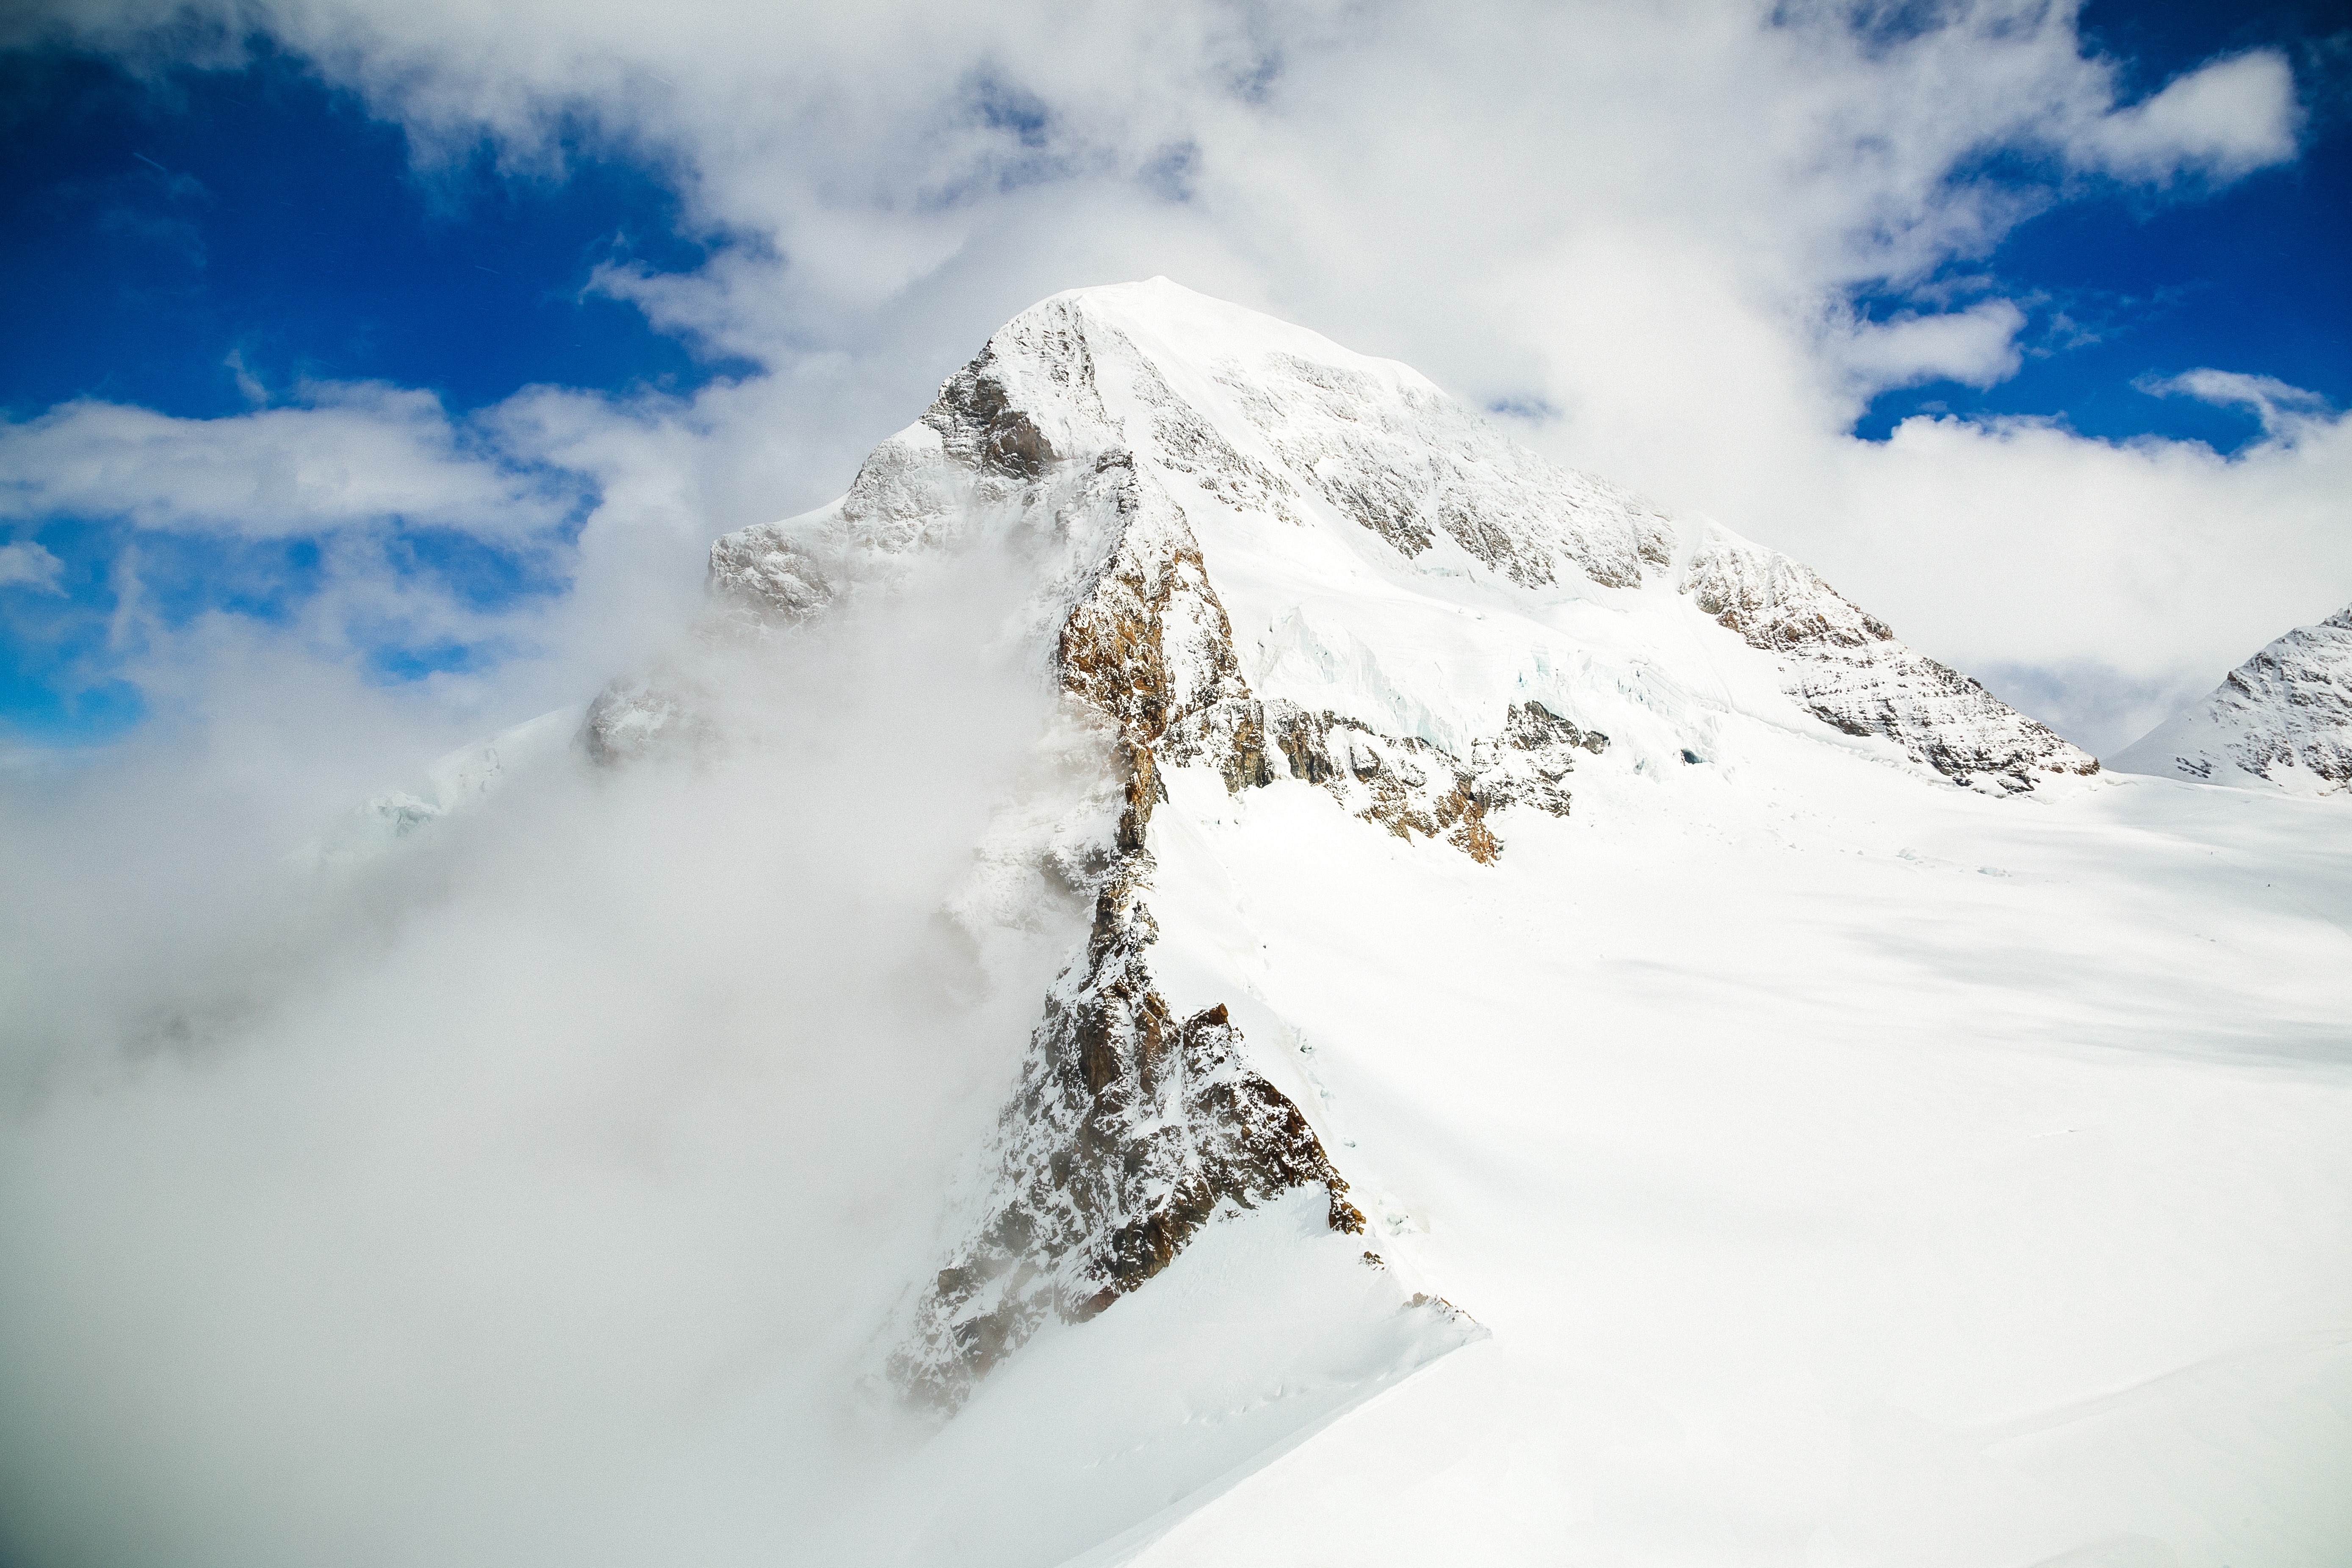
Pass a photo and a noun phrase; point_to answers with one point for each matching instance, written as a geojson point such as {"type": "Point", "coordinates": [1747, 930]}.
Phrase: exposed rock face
{"type": "Point", "coordinates": [2283, 718]}
{"type": "Point", "coordinates": [646, 715]}
{"type": "Point", "coordinates": [980, 427]}
{"type": "Point", "coordinates": [1529, 761]}
{"type": "Point", "coordinates": [761, 580]}
{"type": "Point", "coordinates": [1850, 670]}
{"type": "Point", "coordinates": [1404, 783]}
{"type": "Point", "coordinates": [1129, 1131]}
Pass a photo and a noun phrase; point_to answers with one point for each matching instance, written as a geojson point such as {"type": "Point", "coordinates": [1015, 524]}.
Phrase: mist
{"type": "Point", "coordinates": [537, 1188]}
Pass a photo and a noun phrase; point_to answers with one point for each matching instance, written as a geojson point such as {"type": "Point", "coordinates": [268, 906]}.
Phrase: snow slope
{"type": "Point", "coordinates": [1275, 979]}
{"type": "Point", "coordinates": [463, 778]}
{"type": "Point", "coordinates": [1847, 1173]}
{"type": "Point", "coordinates": [2280, 720]}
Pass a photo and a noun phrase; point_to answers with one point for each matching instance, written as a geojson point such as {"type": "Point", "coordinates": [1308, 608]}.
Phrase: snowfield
{"type": "Point", "coordinates": [1218, 966]}
{"type": "Point", "coordinates": [1910, 1179]}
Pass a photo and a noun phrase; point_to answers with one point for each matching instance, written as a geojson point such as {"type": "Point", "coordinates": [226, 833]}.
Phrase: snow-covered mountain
{"type": "Point", "coordinates": [1265, 563]}
{"type": "Point", "coordinates": [1456, 1017]}
{"type": "Point", "coordinates": [2281, 719]}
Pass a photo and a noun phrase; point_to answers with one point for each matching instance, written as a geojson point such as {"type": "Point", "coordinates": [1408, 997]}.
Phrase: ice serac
{"type": "Point", "coordinates": [2281, 719]}
{"type": "Point", "coordinates": [1850, 670]}
{"type": "Point", "coordinates": [1256, 560]}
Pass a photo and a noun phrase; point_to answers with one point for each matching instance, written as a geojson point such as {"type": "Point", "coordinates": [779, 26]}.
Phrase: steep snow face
{"type": "Point", "coordinates": [2281, 719]}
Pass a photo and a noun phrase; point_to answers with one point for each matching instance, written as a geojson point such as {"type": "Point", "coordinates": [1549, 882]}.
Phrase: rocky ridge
{"type": "Point", "coordinates": [1848, 669]}
{"type": "Point", "coordinates": [1128, 1129]}
{"type": "Point", "coordinates": [2282, 719]}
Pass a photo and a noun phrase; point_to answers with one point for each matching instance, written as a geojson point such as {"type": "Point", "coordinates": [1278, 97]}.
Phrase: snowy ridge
{"type": "Point", "coordinates": [1127, 1131]}
{"type": "Point", "coordinates": [1851, 672]}
{"type": "Point", "coordinates": [1256, 557]}
{"type": "Point", "coordinates": [2280, 720]}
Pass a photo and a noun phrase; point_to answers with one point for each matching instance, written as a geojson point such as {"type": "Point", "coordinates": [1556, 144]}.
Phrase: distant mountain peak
{"type": "Point", "coordinates": [2281, 719]}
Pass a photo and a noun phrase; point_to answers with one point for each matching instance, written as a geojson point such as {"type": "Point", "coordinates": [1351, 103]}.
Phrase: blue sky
{"type": "Point", "coordinates": [207, 241]}
{"type": "Point", "coordinates": [2251, 276]}
{"type": "Point", "coordinates": [293, 231]}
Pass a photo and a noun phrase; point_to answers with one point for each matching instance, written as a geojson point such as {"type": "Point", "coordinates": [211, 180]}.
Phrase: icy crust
{"type": "Point", "coordinates": [1848, 669]}
{"type": "Point", "coordinates": [2284, 718]}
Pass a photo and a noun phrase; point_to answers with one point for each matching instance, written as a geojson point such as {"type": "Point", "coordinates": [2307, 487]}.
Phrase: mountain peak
{"type": "Point", "coordinates": [1257, 561]}
{"type": "Point", "coordinates": [1381, 551]}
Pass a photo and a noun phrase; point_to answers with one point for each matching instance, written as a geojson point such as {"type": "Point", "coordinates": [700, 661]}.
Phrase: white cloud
{"type": "Point", "coordinates": [1653, 218]}
{"type": "Point", "coordinates": [1976, 347]}
{"type": "Point", "coordinates": [25, 564]}
{"type": "Point", "coordinates": [2227, 118]}
{"type": "Point", "coordinates": [2283, 410]}
{"type": "Point", "coordinates": [356, 454]}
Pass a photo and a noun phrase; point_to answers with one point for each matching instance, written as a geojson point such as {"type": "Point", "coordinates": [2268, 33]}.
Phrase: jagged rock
{"type": "Point", "coordinates": [1528, 761]}
{"type": "Point", "coordinates": [1149, 642]}
{"type": "Point", "coordinates": [1128, 1132]}
{"type": "Point", "coordinates": [1849, 670]}
{"type": "Point", "coordinates": [760, 579]}
{"type": "Point", "coordinates": [980, 426]}
{"type": "Point", "coordinates": [1404, 783]}
{"type": "Point", "coordinates": [2283, 718]}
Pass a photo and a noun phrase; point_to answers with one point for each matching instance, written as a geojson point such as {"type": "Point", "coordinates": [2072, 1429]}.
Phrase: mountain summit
{"type": "Point", "coordinates": [1339, 537]}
